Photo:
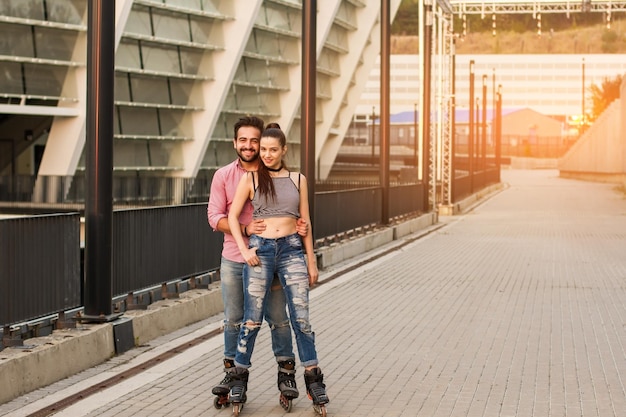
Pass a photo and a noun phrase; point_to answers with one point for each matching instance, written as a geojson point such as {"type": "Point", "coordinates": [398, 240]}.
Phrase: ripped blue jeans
{"type": "Point", "coordinates": [231, 276]}
{"type": "Point", "coordinates": [285, 258]}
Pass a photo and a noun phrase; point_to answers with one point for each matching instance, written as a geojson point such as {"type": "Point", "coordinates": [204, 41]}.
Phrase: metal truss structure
{"type": "Point", "coordinates": [482, 7]}
{"type": "Point", "coordinates": [445, 102]}
{"type": "Point", "coordinates": [440, 140]}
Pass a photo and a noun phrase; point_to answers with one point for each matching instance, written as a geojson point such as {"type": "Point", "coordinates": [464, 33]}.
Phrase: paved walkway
{"type": "Point", "coordinates": [517, 308]}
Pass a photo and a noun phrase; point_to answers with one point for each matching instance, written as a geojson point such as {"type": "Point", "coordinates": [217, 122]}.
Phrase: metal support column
{"type": "Point", "coordinates": [99, 162]}
{"type": "Point", "coordinates": [498, 132]}
{"type": "Point", "coordinates": [307, 104]}
{"type": "Point", "coordinates": [385, 54]}
{"type": "Point", "coordinates": [451, 189]}
{"type": "Point", "coordinates": [427, 174]}
{"type": "Point", "coordinates": [483, 156]}
{"type": "Point", "coordinates": [470, 136]}
{"type": "Point", "coordinates": [446, 141]}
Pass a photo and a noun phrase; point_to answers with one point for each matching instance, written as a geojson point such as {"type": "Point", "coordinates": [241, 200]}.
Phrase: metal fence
{"type": "Point", "coordinates": [340, 211]}
{"type": "Point", "coordinates": [465, 184]}
{"type": "Point", "coordinates": [40, 271]}
{"type": "Point", "coordinates": [514, 145]}
{"type": "Point", "coordinates": [127, 190]}
{"type": "Point", "coordinates": [39, 266]}
{"type": "Point", "coordinates": [156, 245]}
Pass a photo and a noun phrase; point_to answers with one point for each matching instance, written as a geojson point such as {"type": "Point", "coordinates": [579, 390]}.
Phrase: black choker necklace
{"type": "Point", "coordinates": [275, 170]}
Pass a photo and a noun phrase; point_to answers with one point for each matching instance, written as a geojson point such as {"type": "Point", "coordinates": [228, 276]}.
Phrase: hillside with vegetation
{"type": "Point", "coordinates": [578, 33]}
{"type": "Point", "coordinates": [596, 39]}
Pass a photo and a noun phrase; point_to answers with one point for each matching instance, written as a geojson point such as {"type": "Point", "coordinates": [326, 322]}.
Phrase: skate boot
{"type": "Point", "coordinates": [287, 383]}
{"type": "Point", "coordinates": [316, 390]}
{"type": "Point", "coordinates": [222, 389]}
{"type": "Point", "coordinates": [238, 387]}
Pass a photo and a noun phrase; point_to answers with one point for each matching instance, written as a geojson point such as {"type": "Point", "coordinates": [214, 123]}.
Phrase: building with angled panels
{"type": "Point", "coordinates": [549, 84]}
{"type": "Point", "coordinates": [185, 71]}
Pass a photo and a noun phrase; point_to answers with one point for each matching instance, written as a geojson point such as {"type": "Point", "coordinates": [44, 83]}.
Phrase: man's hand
{"type": "Point", "coordinates": [255, 227]}
{"type": "Point", "coordinates": [302, 227]}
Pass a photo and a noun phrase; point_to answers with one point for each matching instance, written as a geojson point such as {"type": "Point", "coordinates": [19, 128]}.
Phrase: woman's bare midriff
{"type": "Point", "coordinates": [278, 227]}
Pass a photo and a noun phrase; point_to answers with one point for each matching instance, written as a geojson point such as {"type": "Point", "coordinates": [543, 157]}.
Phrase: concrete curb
{"type": "Point", "coordinates": [339, 252]}
{"type": "Point", "coordinates": [48, 359]}
{"type": "Point", "coordinates": [45, 360]}
{"type": "Point", "coordinates": [166, 316]}
{"type": "Point", "coordinates": [468, 203]}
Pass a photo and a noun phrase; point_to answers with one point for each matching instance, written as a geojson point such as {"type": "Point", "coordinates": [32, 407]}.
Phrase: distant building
{"type": "Point", "coordinates": [549, 84]}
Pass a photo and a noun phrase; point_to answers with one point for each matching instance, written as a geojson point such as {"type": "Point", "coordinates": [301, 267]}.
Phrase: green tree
{"type": "Point", "coordinates": [603, 95]}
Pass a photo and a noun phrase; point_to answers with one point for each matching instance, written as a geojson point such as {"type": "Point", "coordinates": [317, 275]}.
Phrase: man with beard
{"type": "Point", "coordinates": [247, 132]}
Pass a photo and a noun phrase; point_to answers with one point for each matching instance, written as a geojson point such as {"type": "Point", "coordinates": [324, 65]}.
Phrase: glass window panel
{"type": "Point", "coordinates": [201, 30]}
{"type": "Point", "coordinates": [139, 22]}
{"type": "Point", "coordinates": [66, 11]}
{"type": "Point", "coordinates": [44, 80]}
{"type": "Point", "coordinates": [170, 27]}
{"type": "Point", "coordinates": [171, 121]}
{"type": "Point", "coordinates": [149, 90]}
{"type": "Point", "coordinates": [187, 4]}
{"type": "Point", "coordinates": [131, 154]}
{"type": "Point", "coordinates": [21, 8]}
{"type": "Point", "coordinates": [16, 40]}
{"type": "Point", "coordinates": [218, 154]}
{"type": "Point", "coordinates": [138, 121]}
{"type": "Point", "coordinates": [165, 154]}
{"type": "Point", "coordinates": [163, 58]}
{"type": "Point", "coordinates": [55, 44]}
{"type": "Point", "coordinates": [208, 5]}
{"type": "Point", "coordinates": [181, 91]}
{"type": "Point", "coordinates": [11, 78]}
{"type": "Point", "coordinates": [127, 55]}
{"type": "Point", "coordinates": [116, 121]}
{"type": "Point", "coordinates": [190, 60]}
{"type": "Point", "coordinates": [122, 92]}
{"type": "Point", "coordinates": [223, 127]}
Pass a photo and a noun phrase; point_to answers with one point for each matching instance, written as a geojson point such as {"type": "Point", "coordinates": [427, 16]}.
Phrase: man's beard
{"type": "Point", "coordinates": [253, 158]}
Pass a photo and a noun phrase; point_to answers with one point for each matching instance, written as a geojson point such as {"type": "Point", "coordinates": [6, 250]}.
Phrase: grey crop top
{"type": "Point", "coordinates": [286, 203]}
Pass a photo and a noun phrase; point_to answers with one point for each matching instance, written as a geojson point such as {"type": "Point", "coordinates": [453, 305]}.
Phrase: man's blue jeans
{"type": "Point", "coordinates": [231, 276]}
{"type": "Point", "coordinates": [283, 257]}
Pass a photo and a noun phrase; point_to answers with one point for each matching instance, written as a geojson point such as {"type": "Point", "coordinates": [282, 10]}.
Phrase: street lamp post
{"type": "Point", "coordinates": [477, 133]}
{"type": "Point", "coordinates": [385, 130]}
{"type": "Point", "coordinates": [426, 92]}
{"type": "Point", "coordinates": [484, 124]}
{"type": "Point", "coordinates": [415, 135]}
{"type": "Point", "coordinates": [582, 120]}
{"type": "Point", "coordinates": [498, 130]}
{"type": "Point", "coordinates": [470, 136]}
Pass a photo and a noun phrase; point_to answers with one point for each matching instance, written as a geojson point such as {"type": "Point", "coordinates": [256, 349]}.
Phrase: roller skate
{"type": "Point", "coordinates": [222, 389]}
{"type": "Point", "coordinates": [316, 390]}
{"type": "Point", "coordinates": [287, 383]}
{"type": "Point", "coordinates": [238, 387]}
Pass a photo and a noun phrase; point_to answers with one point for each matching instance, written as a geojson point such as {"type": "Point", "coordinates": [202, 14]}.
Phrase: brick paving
{"type": "Point", "coordinates": [517, 308]}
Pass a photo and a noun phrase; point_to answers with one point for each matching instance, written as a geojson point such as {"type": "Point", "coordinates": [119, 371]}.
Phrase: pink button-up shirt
{"type": "Point", "coordinates": [223, 189]}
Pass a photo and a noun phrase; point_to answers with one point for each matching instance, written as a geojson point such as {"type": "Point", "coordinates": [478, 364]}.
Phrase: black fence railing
{"type": "Point", "coordinates": [340, 211]}
{"type": "Point", "coordinates": [127, 190]}
{"type": "Point", "coordinates": [39, 266]}
{"type": "Point", "coordinates": [466, 184]}
{"type": "Point", "coordinates": [152, 246]}
{"type": "Point", "coordinates": [40, 273]}
{"type": "Point", "coordinates": [515, 145]}
{"type": "Point", "coordinates": [406, 199]}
